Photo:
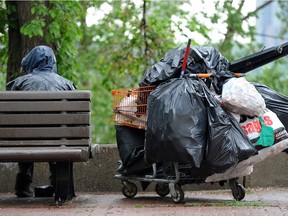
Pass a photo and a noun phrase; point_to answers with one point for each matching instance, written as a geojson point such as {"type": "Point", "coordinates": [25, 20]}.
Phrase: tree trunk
{"type": "Point", "coordinates": [19, 45]}
{"type": "Point", "coordinates": [14, 43]}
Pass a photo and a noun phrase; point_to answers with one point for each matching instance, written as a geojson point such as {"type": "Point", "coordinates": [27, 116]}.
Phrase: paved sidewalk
{"type": "Point", "coordinates": [262, 201]}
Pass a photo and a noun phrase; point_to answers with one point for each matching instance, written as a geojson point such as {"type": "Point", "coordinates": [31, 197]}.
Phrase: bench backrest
{"type": "Point", "coordinates": [44, 119]}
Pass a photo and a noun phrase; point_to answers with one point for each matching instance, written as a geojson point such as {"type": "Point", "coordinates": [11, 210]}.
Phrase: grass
{"type": "Point", "coordinates": [138, 205]}
{"type": "Point", "coordinates": [229, 204]}
{"type": "Point", "coordinates": [241, 203]}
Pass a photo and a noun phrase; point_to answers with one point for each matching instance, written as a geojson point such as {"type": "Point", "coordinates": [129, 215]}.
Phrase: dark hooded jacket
{"type": "Point", "coordinates": [40, 70]}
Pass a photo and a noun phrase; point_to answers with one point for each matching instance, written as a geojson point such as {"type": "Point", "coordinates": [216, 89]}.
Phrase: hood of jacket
{"type": "Point", "coordinates": [39, 59]}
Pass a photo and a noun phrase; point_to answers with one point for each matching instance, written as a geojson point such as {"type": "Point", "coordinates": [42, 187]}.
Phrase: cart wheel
{"type": "Point", "coordinates": [129, 189]}
{"type": "Point", "coordinates": [162, 189]}
{"type": "Point", "coordinates": [238, 191]}
{"type": "Point", "coordinates": [244, 181]}
{"type": "Point", "coordinates": [178, 196]}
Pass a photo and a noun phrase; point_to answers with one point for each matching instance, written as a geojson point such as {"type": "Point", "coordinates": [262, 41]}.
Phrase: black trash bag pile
{"type": "Point", "coordinates": [200, 60]}
{"type": "Point", "coordinates": [186, 124]}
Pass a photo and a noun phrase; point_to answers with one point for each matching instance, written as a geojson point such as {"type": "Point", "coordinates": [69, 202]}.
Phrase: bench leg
{"type": "Point", "coordinates": [64, 182]}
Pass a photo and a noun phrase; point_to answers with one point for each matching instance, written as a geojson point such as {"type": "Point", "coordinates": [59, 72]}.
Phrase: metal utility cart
{"type": "Point", "coordinates": [130, 107]}
{"type": "Point", "coordinates": [172, 184]}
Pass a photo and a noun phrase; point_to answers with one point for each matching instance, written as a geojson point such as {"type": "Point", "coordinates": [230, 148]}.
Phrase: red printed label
{"type": "Point", "coordinates": [255, 126]}
{"type": "Point", "coordinates": [252, 127]}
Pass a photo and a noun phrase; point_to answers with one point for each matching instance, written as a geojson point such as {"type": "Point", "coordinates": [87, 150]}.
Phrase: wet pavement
{"type": "Point", "coordinates": [260, 201]}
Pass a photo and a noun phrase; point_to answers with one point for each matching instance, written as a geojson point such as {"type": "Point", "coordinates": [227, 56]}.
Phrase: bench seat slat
{"type": "Point", "coordinates": [46, 106]}
{"type": "Point", "coordinates": [47, 126]}
{"type": "Point", "coordinates": [36, 143]}
{"type": "Point", "coordinates": [45, 119]}
{"type": "Point", "coordinates": [43, 154]}
{"type": "Point", "coordinates": [45, 132]}
{"type": "Point", "coordinates": [44, 95]}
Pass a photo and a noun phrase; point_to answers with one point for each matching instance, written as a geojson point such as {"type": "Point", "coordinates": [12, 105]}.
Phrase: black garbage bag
{"type": "Point", "coordinates": [227, 144]}
{"type": "Point", "coordinates": [136, 164]}
{"type": "Point", "coordinates": [128, 139]}
{"type": "Point", "coordinates": [276, 102]}
{"type": "Point", "coordinates": [185, 121]}
{"type": "Point", "coordinates": [130, 144]}
{"type": "Point", "coordinates": [200, 60]}
{"type": "Point", "coordinates": [176, 122]}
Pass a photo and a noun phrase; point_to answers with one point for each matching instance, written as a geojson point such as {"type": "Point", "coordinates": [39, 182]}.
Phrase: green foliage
{"type": "Point", "coordinates": [127, 41]}
{"type": "Point", "coordinates": [34, 28]}
{"type": "Point", "coordinates": [61, 30]}
{"type": "Point", "coordinates": [3, 42]}
{"type": "Point", "coordinates": [121, 47]}
{"type": "Point", "coordinates": [282, 16]}
{"type": "Point", "coordinates": [233, 17]}
{"type": "Point", "coordinates": [274, 75]}
{"type": "Point", "coordinates": [3, 18]}
{"type": "Point", "coordinates": [116, 51]}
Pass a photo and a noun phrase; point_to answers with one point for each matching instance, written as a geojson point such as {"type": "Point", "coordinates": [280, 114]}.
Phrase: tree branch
{"type": "Point", "coordinates": [257, 9]}
{"type": "Point", "coordinates": [144, 27]}
{"type": "Point", "coordinates": [230, 30]}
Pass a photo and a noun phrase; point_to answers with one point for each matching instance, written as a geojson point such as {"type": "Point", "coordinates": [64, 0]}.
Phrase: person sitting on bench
{"type": "Point", "coordinates": [40, 69]}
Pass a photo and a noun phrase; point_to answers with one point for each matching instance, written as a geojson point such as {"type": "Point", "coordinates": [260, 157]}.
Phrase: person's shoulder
{"type": "Point", "coordinates": [15, 83]}
{"type": "Point", "coordinates": [28, 82]}
{"type": "Point", "coordinates": [69, 84]}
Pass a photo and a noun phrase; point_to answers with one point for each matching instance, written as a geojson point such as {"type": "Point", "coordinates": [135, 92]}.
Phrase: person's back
{"type": "Point", "coordinates": [40, 70]}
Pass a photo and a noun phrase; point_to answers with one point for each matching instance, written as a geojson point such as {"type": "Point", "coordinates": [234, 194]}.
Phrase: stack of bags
{"type": "Point", "coordinates": [222, 124]}
{"type": "Point", "coordinates": [214, 123]}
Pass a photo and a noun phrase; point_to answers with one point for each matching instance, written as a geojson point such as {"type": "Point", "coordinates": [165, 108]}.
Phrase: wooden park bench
{"type": "Point", "coordinates": [46, 126]}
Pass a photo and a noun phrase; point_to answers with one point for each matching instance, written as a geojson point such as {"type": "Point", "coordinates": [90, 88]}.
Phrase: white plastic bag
{"type": "Point", "coordinates": [127, 108]}
{"type": "Point", "coordinates": [240, 96]}
{"type": "Point", "coordinates": [252, 126]}
{"type": "Point", "coordinates": [271, 119]}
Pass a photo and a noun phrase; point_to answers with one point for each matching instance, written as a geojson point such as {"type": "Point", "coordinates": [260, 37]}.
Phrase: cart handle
{"type": "Point", "coordinates": [184, 65]}
{"type": "Point", "coordinates": [206, 76]}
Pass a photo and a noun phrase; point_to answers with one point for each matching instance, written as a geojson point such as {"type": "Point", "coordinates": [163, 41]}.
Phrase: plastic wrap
{"type": "Point", "coordinates": [130, 144]}
{"type": "Point", "coordinates": [176, 122]}
{"type": "Point", "coordinates": [227, 144]}
{"type": "Point", "coordinates": [200, 60]}
{"type": "Point", "coordinates": [239, 96]}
